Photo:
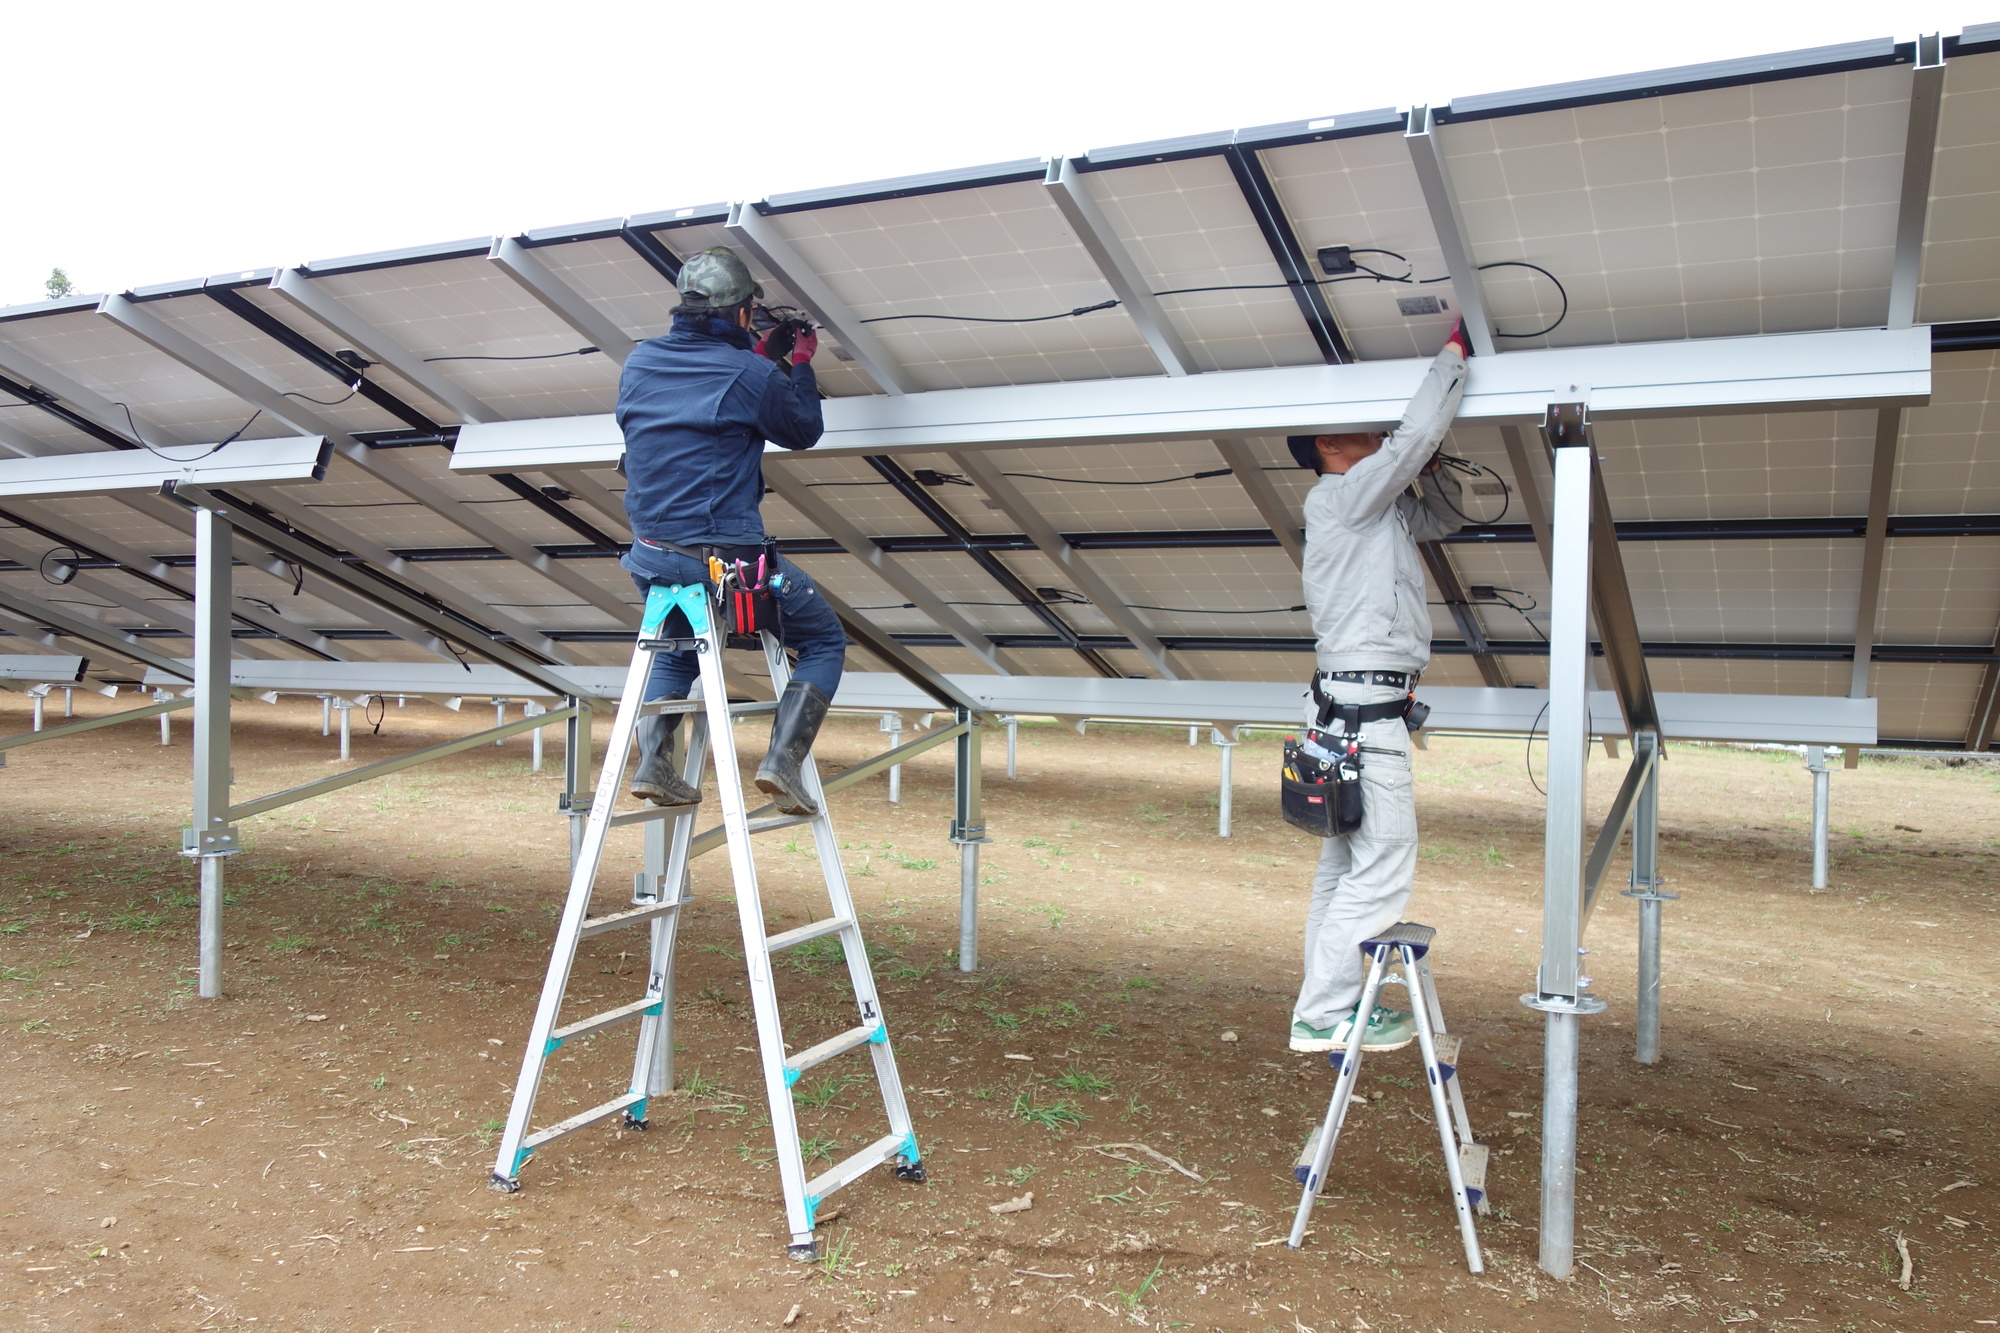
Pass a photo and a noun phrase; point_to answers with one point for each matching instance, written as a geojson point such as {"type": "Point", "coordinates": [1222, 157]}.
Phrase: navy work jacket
{"type": "Point", "coordinates": [696, 407]}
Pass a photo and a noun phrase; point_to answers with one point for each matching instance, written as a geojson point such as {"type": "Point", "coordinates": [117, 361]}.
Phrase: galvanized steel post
{"type": "Point", "coordinates": [1559, 989]}
{"type": "Point", "coordinates": [1821, 780]}
{"type": "Point", "coordinates": [968, 830]}
{"type": "Point", "coordinates": [211, 838]}
{"type": "Point", "coordinates": [1645, 888]}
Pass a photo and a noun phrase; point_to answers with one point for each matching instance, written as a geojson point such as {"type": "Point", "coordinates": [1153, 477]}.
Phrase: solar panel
{"type": "Point", "coordinates": [1730, 200]}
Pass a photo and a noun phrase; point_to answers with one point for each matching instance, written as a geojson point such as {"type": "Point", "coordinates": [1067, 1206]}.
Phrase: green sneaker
{"type": "Point", "coordinates": [1388, 1030]}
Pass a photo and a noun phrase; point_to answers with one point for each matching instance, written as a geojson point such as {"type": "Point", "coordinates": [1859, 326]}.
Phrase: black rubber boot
{"type": "Point", "coordinates": [800, 712]}
{"type": "Point", "coordinates": [656, 780]}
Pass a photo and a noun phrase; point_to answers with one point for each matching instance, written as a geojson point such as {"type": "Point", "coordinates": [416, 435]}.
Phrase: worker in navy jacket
{"type": "Point", "coordinates": [696, 408]}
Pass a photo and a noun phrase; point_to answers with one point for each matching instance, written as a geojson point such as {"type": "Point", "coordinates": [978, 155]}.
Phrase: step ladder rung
{"type": "Point", "coordinates": [677, 707]}
{"type": "Point", "coordinates": [798, 935]}
{"type": "Point", "coordinates": [851, 1169]}
{"type": "Point", "coordinates": [609, 1018]}
{"type": "Point", "coordinates": [597, 925]}
{"type": "Point", "coordinates": [581, 1120]}
{"type": "Point", "coordinates": [646, 814]}
{"type": "Point", "coordinates": [832, 1046]}
{"type": "Point", "coordinates": [1472, 1158]}
{"type": "Point", "coordinates": [779, 821]}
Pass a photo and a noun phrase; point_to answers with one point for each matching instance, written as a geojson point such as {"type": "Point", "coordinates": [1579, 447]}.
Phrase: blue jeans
{"type": "Point", "coordinates": [808, 625]}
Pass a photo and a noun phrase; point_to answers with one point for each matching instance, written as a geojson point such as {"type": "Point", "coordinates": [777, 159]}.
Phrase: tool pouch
{"type": "Point", "coordinates": [1320, 787]}
{"type": "Point", "coordinates": [752, 610]}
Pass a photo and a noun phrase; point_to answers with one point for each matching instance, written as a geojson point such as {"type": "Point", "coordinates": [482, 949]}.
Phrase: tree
{"type": "Point", "coordinates": [58, 286]}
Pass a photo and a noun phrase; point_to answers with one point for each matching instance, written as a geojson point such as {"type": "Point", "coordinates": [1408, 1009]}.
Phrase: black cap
{"type": "Point", "coordinates": [1305, 450]}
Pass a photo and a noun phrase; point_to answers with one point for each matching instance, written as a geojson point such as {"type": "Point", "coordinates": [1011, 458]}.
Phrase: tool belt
{"type": "Point", "coordinates": [745, 581]}
{"type": "Point", "coordinates": [1320, 785]}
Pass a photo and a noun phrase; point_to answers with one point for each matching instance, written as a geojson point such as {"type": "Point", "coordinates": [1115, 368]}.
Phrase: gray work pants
{"type": "Point", "coordinates": [1364, 879]}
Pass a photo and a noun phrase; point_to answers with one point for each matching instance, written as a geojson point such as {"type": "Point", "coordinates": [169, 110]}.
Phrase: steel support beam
{"type": "Point", "coordinates": [251, 389]}
{"type": "Point", "coordinates": [1840, 369]}
{"type": "Point", "coordinates": [1097, 236]}
{"type": "Point", "coordinates": [1073, 562]}
{"type": "Point", "coordinates": [996, 569]}
{"type": "Point", "coordinates": [92, 724]}
{"type": "Point", "coordinates": [761, 237]}
{"type": "Point", "coordinates": [298, 290]}
{"type": "Point", "coordinates": [1559, 993]}
{"type": "Point", "coordinates": [1881, 488]}
{"type": "Point", "coordinates": [891, 571]}
{"type": "Point", "coordinates": [563, 301]}
{"type": "Point", "coordinates": [1452, 589]}
{"type": "Point", "coordinates": [88, 630]}
{"type": "Point", "coordinates": [163, 576]}
{"type": "Point", "coordinates": [210, 838]}
{"type": "Point", "coordinates": [1567, 425]}
{"type": "Point", "coordinates": [1261, 195]}
{"type": "Point", "coordinates": [289, 546]}
{"type": "Point", "coordinates": [1985, 707]}
{"type": "Point", "coordinates": [1919, 152]}
{"type": "Point", "coordinates": [863, 633]}
{"type": "Point", "coordinates": [1441, 200]}
{"type": "Point", "coordinates": [1270, 506]}
{"type": "Point", "coordinates": [1528, 485]}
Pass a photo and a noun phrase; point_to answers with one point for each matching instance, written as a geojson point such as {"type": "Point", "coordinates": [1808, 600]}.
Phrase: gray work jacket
{"type": "Point", "coordinates": [1364, 583]}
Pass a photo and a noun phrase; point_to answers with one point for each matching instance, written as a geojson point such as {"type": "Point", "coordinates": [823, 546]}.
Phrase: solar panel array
{"type": "Point", "coordinates": [1747, 198]}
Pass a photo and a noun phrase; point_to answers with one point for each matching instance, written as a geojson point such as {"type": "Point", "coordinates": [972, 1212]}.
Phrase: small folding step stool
{"type": "Point", "coordinates": [1465, 1160]}
{"type": "Point", "coordinates": [656, 902]}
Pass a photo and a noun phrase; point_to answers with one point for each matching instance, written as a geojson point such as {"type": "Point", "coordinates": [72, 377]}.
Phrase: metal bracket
{"type": "Point", "coordinates": [214, 842]}
{"type": "Point", "coordinates": [1581, 1005]}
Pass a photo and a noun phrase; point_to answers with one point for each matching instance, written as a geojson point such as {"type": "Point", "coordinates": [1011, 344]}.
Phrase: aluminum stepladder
{"type": "Point", "coordinates": [657, 901]}
{"type": "Point", "coordinates": [1465, 1160]}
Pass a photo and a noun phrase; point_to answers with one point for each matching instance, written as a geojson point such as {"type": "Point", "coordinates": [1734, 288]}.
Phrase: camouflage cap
{"type": "Point", "coordinates": [719, 277]}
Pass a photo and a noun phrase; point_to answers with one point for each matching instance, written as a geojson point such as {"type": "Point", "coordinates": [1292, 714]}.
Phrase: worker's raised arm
{"type": "Point", "coordinates": [1374, 483]}
{"type": "Point", "coordinates": [788, 414]}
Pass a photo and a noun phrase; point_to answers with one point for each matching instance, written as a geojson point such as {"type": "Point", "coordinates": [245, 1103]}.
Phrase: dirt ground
{"type": "Point", "coordinates": [312, 1152]}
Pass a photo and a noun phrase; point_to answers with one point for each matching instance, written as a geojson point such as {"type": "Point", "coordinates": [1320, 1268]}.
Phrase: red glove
{"type": "Point", "coordinates": [803, 349]}
{"type": "Point", "coordinates": [1458, 338]}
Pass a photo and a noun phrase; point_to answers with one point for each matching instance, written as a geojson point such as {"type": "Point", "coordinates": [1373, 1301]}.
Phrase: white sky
{"type": "Point", "coordinates": [164, 141]}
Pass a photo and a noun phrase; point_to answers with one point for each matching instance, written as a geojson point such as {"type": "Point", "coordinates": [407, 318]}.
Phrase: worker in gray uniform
{"type": "Point", "coordinates": [1364, 586]}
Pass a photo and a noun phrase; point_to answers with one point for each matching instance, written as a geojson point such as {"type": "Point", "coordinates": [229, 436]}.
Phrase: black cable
{"type": "Point", "coordinates": [1211, 611]}
{"type": "Point", "coordinates": [376, 730]}
{"type": "Point", "coordinates": [352, 389]}
{"type": "Point", "coordinates": [69, 565]}
{"type": "Point", "coordinates": [1560, 291]}
{"type": "Point", "coordinates": [546, 356]}
{"type": "Point", "coordinates": [213, 449]}
{"type": "Point", "coordinates": [1528, 755]}
{"type": "Point", "coordinates": [1471, 469]}
{"type": "Point", "coordinates": [1094, 481]}
{"type": "Point", "coordinates": [298, 576]}
{"type": "Point", "coordinates": [1367, 274]}
{"type": "Point", "coordinates": [1532, 604]}
{"type": "Point", "coordinates": [988, 319]}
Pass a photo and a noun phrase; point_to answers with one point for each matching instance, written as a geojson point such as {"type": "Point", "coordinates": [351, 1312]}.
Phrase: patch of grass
{"type": "Point", "coordinates": [1141, 983]}
{"type": "Point", "coordinates": [837, 1257]}
{"type": "Point", "coordinates": [19, 974]}
{"type": "Point", "coordinates": [824, 1093]}
{"type": "Point", "coordinates": [489, 1129]}
{"type": "Point", "coordinates": [290, 943]}
{"type": "Point", "coordinates": [1054, 1116]}
{"type": "Point", "coordinates": [1074, 1079]}
{"type": "Point", "coordinates": [904, 971]}
{"type": "Point", "coordinates": [1130, 1299]}
{"type": "Point", "coordinates": [1004, 1021]}
{"type": "Point", "coordinates": [722, 949]}
{"type": "Point", "coordinates": [1055, 912]}
{"type": "Point", "coordinates": [817, 1150]}
{"type": "Point", "coordinates": [913, 862]}
{"type": "Point", "coordinates": [816, 956]}
{"type": "Point", "coordinates": [131, 918]}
